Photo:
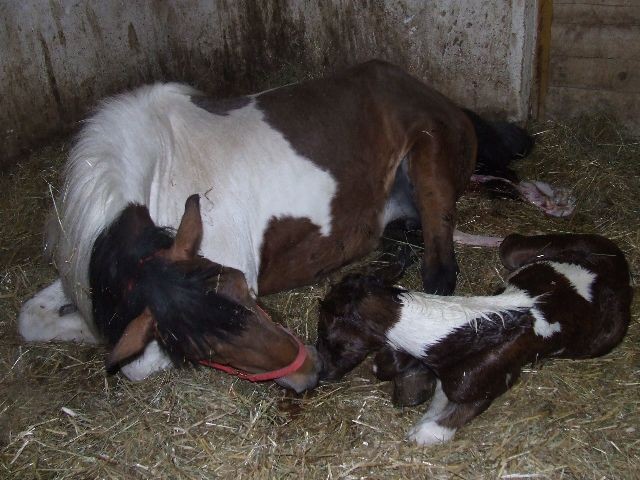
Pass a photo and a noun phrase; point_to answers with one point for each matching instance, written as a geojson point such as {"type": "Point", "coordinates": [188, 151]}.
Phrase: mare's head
{"type": "Point", "coordinates": [354, 317]}
{"type": "Point", "coordinates": [149, 285]}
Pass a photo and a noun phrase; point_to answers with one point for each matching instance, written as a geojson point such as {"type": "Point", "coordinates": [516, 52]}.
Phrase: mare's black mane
{"type": "Point", "coordinates": [126, 276]}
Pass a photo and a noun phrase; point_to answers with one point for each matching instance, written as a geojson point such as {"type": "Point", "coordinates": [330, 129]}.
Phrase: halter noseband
{"type": "Point", "coordinates": [293, 367]}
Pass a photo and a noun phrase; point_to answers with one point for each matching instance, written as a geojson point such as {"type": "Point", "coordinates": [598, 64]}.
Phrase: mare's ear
{"type": "Point", "coordinates": [189, 233]}
{"type": "Point", "coordinates": [137, 335]}
{"type": "Point", "coordinates": [135, 218]}
{"type": "Point", "coordinates": [234, 286]}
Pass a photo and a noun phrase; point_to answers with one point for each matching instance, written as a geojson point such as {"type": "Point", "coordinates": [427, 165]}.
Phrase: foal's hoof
{"type": "Point", "coordinates": [428, 432]}
{"type": "Point", "coordinates": [413, 388]}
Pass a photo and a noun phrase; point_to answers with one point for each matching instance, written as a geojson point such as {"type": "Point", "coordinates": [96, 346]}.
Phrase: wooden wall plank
{"type": "Point", "coordinates": [598, 3]}
{"type": "Point", "coordinates": [602, 41]}
{"type": "Point", "coordinates": [589, 14]}
{"type": "Point", "coordinates": [594, 73]}
{"type": "Point", "coordinates": [564, 102]}
{"type": "Point", "coordinates": [595, 60]}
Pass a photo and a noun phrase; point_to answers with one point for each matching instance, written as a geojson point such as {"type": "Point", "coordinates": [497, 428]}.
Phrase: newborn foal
{"type": "Point", "coordinates": [567, 296]}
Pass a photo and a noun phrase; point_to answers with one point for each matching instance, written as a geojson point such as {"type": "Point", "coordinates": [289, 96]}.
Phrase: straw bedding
{"type": "Point", "coordinates": [62, 417]}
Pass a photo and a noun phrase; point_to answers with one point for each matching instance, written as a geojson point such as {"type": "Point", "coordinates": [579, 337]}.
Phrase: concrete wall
{"type": "Point", "coordinates": [59, 57]}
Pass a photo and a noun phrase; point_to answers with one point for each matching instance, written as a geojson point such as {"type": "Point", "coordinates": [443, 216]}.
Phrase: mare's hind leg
{"type": "Point", "coordinates": [43, 318]}
{"type": "Point", "coordinates": [444, 417]}
{"type": "Point", "coordinates": [439, 170]}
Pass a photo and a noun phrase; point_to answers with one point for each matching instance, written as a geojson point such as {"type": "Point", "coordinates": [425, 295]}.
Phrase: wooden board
{"type": "Point", "coordinates": [593, 14]}
{"type": "Point", "coordinates": [596, 73]}
{"type": "Point", "coordinates": [595, 60]}
{"type": "Point", "coordinates": [600, 41]}
{"type": "Point", "coordinates": [625, 106]}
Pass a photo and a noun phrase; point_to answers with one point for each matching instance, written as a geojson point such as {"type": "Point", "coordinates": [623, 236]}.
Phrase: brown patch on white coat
{"type": "Point", "coordinates": [301, 180]}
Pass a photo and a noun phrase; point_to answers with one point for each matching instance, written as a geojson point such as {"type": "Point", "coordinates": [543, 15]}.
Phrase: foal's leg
{"type": "Point", "coordinates": [444, 417]}
{"type": "Point", "coordinates": [413, 381]}
{"type": "Point", "coordinates": [472, 383]}
{"type": "Point", "coordinates": [438, 175]}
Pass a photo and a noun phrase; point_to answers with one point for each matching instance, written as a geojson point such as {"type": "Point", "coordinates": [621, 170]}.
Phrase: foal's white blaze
{"type": "Point", "coordinates": [155, 147]}
{"type": "Point", "coordinates": [426, 319]}
{"type": "Point", "coordinates": [580, 278]}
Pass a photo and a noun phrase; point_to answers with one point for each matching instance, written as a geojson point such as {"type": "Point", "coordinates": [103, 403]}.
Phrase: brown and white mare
{"type": "Point", "coordinates": [294, 183]}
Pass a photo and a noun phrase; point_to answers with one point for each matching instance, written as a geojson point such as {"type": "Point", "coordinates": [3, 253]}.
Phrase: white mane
{"type": "Point", "coordinates": [110, 166]}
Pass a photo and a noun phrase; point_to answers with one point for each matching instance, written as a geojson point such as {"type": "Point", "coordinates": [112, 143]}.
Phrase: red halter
{"type": "Point", "coordinates": [293, 367]}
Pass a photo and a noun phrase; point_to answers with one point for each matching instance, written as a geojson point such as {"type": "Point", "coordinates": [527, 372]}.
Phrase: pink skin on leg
{"type": "Point", "coordinates": [463, 238]}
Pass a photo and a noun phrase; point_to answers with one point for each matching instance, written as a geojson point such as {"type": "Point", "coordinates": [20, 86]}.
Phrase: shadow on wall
{"type": "Point", "coordinates": [60, 59]}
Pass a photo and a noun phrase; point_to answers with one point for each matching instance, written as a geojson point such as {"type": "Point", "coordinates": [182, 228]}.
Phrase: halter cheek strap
{"type": "Point", "coordinates": [272, 375]}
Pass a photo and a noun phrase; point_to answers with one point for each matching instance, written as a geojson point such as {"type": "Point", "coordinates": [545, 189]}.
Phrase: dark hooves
{"type": "Point", "coordinates": [413, 388]}
{"type": "Point", "coordinates": [440, 280]}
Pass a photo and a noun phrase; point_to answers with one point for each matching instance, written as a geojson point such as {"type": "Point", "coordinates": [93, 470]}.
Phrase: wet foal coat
{"type": "Point", "coordinates": [567, 296]}
{"type": "Point", "coordinates": [294, 182]}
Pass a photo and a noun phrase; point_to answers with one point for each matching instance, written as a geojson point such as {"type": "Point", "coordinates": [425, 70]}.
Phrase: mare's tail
{"type": "Point", "coordinates": [498, 144]}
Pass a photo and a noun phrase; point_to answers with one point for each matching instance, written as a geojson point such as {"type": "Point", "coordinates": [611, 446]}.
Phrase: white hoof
{"type": "Point", "coordinates": [430, 433]}
{"type": "Point", "coordinates": [40, 321]}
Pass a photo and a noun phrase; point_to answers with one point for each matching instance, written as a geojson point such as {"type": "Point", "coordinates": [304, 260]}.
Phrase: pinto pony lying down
{"type": "Point", "coordinates": [567, 296]}
{"type": "Point", "coordinates": [295, 182]}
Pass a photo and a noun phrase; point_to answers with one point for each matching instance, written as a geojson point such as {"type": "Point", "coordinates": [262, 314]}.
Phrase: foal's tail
{"type": "Point", "coordinates": [498, 144]}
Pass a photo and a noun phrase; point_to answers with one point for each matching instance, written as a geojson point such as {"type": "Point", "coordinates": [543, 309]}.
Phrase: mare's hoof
{"type": "Point", "coordinates": [440, 280]}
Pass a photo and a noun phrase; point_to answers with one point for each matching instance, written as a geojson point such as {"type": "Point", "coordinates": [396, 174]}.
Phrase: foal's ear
{"type": "Point", "coordinates": [189, 233]}
{"type": "Point", "coordinates": [518, 250]}
{"type": "Point", "coordinates": [137, 335]}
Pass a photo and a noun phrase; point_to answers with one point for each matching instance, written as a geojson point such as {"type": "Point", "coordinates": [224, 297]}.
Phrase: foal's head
{"type": "Point", "coordinates": [148, 285]}
{"type": "Point", "coordinates": [353, 319]}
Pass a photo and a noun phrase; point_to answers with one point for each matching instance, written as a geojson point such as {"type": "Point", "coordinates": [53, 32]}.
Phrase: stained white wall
{"type": "Point", "coordinates": [59, 57]}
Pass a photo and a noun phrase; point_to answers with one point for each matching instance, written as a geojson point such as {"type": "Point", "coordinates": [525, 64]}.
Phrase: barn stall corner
{"type": "Point", "coordinates": [62, 416]}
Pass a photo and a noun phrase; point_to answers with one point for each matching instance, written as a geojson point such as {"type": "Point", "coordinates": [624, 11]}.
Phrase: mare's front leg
{"type": "Point", "coordinates": [436, 179]}
{"type": "Point", "coordinates": [49, 316]}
